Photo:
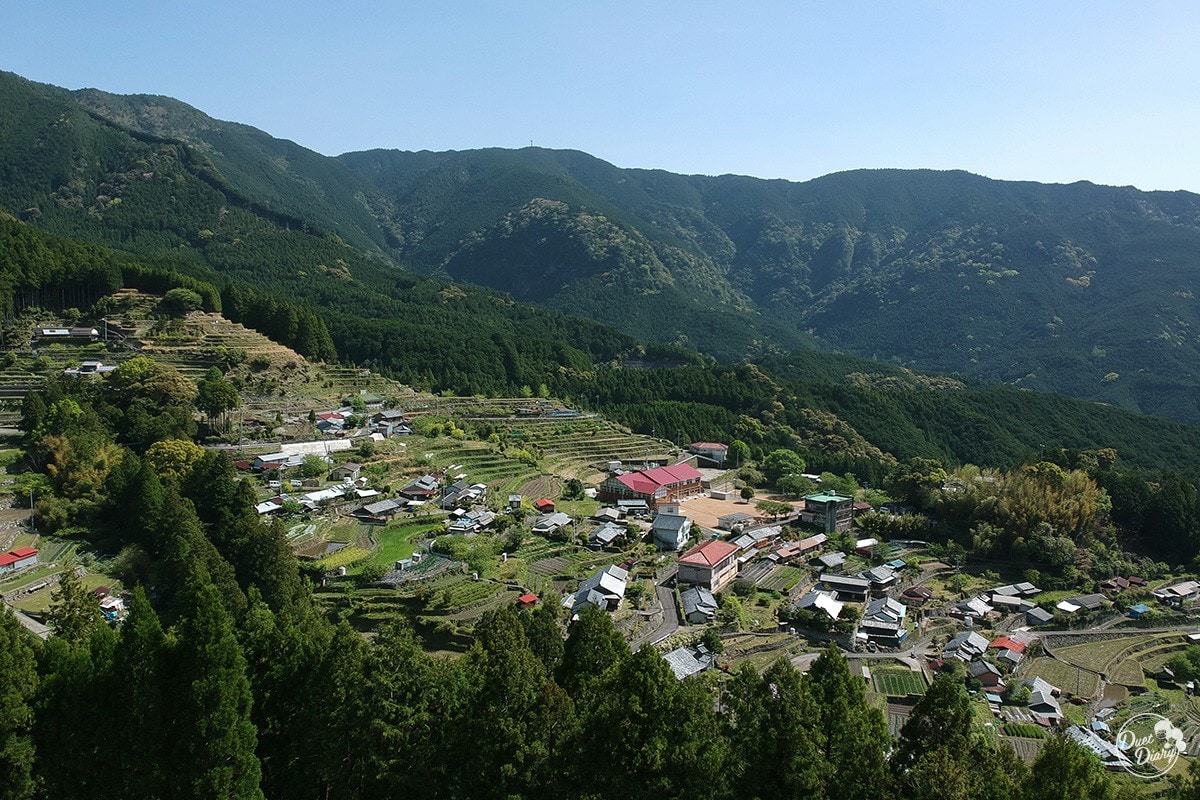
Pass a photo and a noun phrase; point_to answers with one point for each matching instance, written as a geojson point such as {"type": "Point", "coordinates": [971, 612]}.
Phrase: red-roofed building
{"type": "Point", "coordinates": [711, 564]}
{"type": "Point", "coordinates": [660, 485]}
{"type": "Point", "coordinates": [544, 506]}
{"type": "Point", "coordinates": [1005, 643]}
{"type": "Point", "coordinates": [526, 600]}
{"type": "Point", "coordinates": [18, 559]}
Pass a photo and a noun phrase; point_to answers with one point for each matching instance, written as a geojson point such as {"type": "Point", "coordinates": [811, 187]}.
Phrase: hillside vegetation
{"type": "Point", "coordinates": [1081, 289]}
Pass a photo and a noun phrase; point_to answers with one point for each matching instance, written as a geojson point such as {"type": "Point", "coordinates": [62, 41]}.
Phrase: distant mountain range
{"type": "Point", "coordinates": [1081, 289]}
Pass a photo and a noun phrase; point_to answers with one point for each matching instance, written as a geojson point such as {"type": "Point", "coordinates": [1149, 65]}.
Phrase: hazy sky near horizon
{"type": "Point", "coordinates": [1048, 91]}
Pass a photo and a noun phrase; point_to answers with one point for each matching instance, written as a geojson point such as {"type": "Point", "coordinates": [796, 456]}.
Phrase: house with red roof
{"type": "Point", "coordinates": [711, 564]}
{"type": "Point", "coordinates": [18, 559]}
{"type": "Point", "coordinates": [659, 485]}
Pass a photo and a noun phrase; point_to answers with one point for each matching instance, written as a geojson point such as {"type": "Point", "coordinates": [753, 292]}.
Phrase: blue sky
{"type": "Point", "coordinates": [1048, 91]}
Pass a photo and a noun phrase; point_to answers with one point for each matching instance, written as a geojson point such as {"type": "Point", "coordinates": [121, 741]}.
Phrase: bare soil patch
{"type": "Point", "coordinates": [705, 510]}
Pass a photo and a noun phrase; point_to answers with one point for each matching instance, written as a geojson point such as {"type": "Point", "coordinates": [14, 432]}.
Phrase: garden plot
{"type": "Point", "coordinates": [781, 579]}
{"type": "Point", "coordinates": [555, 565]}
{"type": "Point", "coordinates": [898, 681]}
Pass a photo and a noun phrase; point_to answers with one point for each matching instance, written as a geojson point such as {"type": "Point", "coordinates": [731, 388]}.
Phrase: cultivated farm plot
{"type": "Point", "coordinates": [1024, 730]}
{"type": "Point", "coordinates": [555, 565]}
{"type": "Point", "coordinates": [896, 717]}
{"type": "Point", "coordinates": [1026, 749]}
{"type": "Point", "coordinates": [782, 579]}
{"type": "Point", "coordinates": [898, 682]}
{"type": "Point", "coordinates": [1069, 678]}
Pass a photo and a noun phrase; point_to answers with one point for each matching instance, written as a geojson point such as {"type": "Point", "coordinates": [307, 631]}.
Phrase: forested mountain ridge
{"type": "Point", "coordinates": [1079, 289]}
{"type": "Point", "coordinates": [1082, 289]}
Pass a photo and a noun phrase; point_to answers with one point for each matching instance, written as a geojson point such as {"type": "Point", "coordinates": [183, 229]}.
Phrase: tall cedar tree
{"type": "Point", "coordinates": [214, 738]}
{"type": "Point", "coordinates": [18, 682]}
{"type": "Point", "coordinates": [139, 664]}
{"type": "Point", "coordinates": [853, 733]}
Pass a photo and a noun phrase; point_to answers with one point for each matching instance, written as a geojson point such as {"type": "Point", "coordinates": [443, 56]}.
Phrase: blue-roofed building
{"type": "Point", "coordinates": [1138, 610]}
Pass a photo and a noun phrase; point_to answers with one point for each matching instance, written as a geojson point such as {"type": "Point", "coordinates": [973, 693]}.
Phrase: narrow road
{"type": "Point", "coordinates": [666, 602]}
{"type": "Point", "coordinates": [32, 625]}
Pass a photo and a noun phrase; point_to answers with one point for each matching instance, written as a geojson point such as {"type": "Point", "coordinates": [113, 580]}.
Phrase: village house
{"type": "Point", "coordinates": [471, 522]}
{"type": "Point", "coordinates": [348, 471]}
{"type": "Point", "coordinates": [654, 486]}
{"type": "Point", "coordinates": [544, 505]}
{"type": "Point", "coordinates": [688, 661]}
{"type": "Point", "coordinates": [712, 452]}
{"type": "Point", "coordinates": [734, 520]}
{"type": "Point", "coordinates": [820, 601]}
{"type": "Point", "coordinates": [380, 511]}
{"type": "Point", "coordinates": [548, 524]}
{"type": "Point", "coordinates": [1117, 584]}
{"type": "Point", "coordinates": [17, 559]}
{"type": "Point", "coordinates": [1178, 595]}
{"type": "Point", "coordinates": [638, 509]}
{"type": "Point", "coordinates": [812, 543]}
{"type": "Point", "coordinates": [1043, 702]}
{"type": "Point", "coordinates": [972, 607]}
{"type": "Point", "coordinates": [965, 646]}
{"type": "Point", "coordinates": [423, 488]}
{"type": "Point", "coordinates": [609, 534]}
{"type": "Point", "coordinates": [848, 589]}
{"type": "Point", "coordinates": [711, 564]}
{"type": "Point", "coordinates": [865, 547]}
{"type": "Point", "coordinates": [699, 605]}
{"type": "Point", "coordinates": [1038, 616]}
{"type": "Point", "coordinates": [883, 622]}
{"type": "Point", "coordinates": [671, 531]}
{"type": "Point", "coordinates": [605, 590]}
{"type": "Point", "coordinates": [1007, 604]}
{"type": "Point", "coordinates": [1024, 589]}
{"type": "Point", "coordinates": [916, 595]}
{"type": "Point", "coordinates": [881, 578]}
{"type": "Point", "coordinates": [832, 512]}
{"type": "Point", "coordinates": [606, 514]}
{"type": "Point", "coordinates": [986, 673]}
{"type": "Point", "coordinates": [830, 561]}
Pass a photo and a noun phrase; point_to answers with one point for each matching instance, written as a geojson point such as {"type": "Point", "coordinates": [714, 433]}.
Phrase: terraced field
{"type": "Point", "coordinates": [1069, 678]}
{"type": "Point", "coordinates": [579, 448]}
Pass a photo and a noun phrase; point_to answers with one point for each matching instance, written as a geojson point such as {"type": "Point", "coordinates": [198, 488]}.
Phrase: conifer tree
{"type": "Point", "coordinates": [139, 671]}
{"type": "Point", "coordinates": [74, 611]}
{"type": "Point", "coordinates": [853, 733]}
{"type": "Point", "coordinates": [18, 682]}
{"type": "Point", "coordinates": [1063, 769]}
{"type": "Point", "coordinates": [213, 734]}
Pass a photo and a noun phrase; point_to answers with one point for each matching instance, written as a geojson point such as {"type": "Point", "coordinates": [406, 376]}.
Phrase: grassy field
{"type": "Point", "coordinates": [898, 681]}
{"type": "Point", "coordinates": [398, 541]}
{"type": "Point", "coordinates": [1071, 679]}
{"type": "Point", "coordinates": [39, 602]}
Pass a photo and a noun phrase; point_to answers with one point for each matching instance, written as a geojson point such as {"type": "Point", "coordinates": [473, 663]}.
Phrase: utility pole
{"type": "Point", "coordinates": [32, 518]}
